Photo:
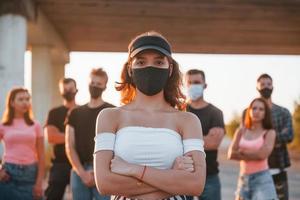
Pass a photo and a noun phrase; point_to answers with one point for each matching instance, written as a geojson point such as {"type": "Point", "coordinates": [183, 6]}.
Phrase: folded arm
{"type": "Point", "coordinates": [286, 135]}
{"type": "Point", "coordinates": [111, 183]}
{"type": "Point", "coordinates": [214, 138]}
{"type": "Point", "coordinates": [236, 153]}
{"type": "Point", "coordinates": [191, 183]}
{"type": "Point", "coordinates": [233, 150]}
{"type": "Point", "coordinates": [165, 179]}
{"type": "Point", "coordinates": [263, 152]}
{"type": "Point", "coordinates": [54, 136]}
{"type": "Point", "coordinates": [108, 182]}
{"type": "Point", "coordinates": [122, 177]}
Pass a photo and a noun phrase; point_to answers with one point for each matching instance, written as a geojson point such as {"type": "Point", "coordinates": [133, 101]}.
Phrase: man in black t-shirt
{"type": "Point", "coordinates": [213, 131]}
{"type": "Point", "coordinates": [59, 176]}
{"type": "Point", "coordinates": [80, 133]}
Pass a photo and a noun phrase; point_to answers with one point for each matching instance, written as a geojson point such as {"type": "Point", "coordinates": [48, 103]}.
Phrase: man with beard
{"type": "Point", "coordinates": [282, 121]}
{"type": "Point", "coordinates": [80, 133]}
{"type": "Point", "coordinates": [59, 176]}
{"type": "Point", "coordinates": [212, 122]}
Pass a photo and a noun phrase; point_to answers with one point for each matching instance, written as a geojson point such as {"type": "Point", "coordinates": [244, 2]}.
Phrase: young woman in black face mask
{"type": "Point", "coordinates": [148, 148]}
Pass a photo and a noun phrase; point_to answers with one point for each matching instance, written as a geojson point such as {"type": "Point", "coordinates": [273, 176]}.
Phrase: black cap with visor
{"type": "Point", "coordinates": [150, 42]}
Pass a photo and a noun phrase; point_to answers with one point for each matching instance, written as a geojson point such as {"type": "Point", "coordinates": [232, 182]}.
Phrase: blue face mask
{"type": "Point", "coordinates": [195, 91]}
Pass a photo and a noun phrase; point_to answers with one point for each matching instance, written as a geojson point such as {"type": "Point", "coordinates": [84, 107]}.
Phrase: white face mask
{"type": "Point", "coordinates": [195, 91]}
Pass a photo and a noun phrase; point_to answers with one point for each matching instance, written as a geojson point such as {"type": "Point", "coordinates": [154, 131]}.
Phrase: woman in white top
{"type": "Point", "coordinates": [148, 148]}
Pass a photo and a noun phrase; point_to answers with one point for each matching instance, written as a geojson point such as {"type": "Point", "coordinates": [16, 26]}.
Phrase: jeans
{"type": "Point", "coordinates": [256, 186]}
{"type": "Point", "coordinates": [21, 182]}
{"type": "Point", "coordinates": [212, 189]}
{"type": "Point", "coordinates": [80, 191]}
{"type": "Point", "coordinates": [59, 178]}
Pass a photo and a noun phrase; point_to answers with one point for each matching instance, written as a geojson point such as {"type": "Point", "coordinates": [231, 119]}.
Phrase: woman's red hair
{"type": "Point", "coordinates": [267, 120]}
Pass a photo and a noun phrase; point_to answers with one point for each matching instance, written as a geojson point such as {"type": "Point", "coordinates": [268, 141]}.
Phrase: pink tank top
{"type": "Point", "coordinates": [252, 166]}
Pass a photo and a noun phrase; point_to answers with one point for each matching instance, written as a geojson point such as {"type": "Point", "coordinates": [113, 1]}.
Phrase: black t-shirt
{"type": "Point", "coordinates": [210, 117]}
{"type": "Point", "coordinates": [57, 117]}
{"type": "Point", "coordinates": [83, 120]}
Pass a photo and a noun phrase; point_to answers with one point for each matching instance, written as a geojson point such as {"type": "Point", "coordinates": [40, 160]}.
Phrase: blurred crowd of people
{"type": "Point", "coordinates": [158, 145]}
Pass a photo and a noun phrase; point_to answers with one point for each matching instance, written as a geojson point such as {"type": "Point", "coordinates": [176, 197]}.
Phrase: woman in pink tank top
{"type": "Point", "coordinates": [22, 169]}
{"type": "Point", "coordinates": [251, 145]}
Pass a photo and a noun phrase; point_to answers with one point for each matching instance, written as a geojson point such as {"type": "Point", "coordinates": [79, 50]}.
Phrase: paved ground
{"type": "Point", "coordinates": [229, 173]}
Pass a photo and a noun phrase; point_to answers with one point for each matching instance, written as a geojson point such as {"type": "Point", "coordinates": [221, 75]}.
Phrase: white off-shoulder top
{"type": "Point", "coordinates": [153, 147]}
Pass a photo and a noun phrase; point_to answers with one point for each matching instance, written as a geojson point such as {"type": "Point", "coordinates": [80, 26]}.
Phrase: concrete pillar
{"type": "Point", "coordinates": [42, 86]}
{"type": "Point", "coordinates": [58, 73]}
{"type": "Point", "coordinates": [46, 72]}
{"type": "Point", "coordinates": [49, 55]}
{"type": "Point", "coordinates": [13, 34]}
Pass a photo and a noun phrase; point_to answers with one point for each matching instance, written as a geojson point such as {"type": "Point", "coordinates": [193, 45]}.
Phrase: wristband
{"type": "Point", "coordinates": [140, 182]}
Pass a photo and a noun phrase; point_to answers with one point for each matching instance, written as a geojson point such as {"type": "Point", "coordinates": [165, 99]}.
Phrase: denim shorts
{"type": "Point", "coordinates": [256, 186]}
{"type": "Point", "coordinates": [21, 182]}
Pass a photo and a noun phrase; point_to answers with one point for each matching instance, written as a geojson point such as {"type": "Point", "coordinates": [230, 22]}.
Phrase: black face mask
{"type": "Point", "coordinates": [95, 92]}
{"type": "Point", "coordinates": [266, 92]}
{"type": "Point", "coordinates": [150, 80]}
{"type": "Point", "coordinates": [69, 96]}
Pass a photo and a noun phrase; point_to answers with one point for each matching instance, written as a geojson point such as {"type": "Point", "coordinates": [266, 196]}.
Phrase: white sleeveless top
{"type": "Point", "coordinates": [153, 147]}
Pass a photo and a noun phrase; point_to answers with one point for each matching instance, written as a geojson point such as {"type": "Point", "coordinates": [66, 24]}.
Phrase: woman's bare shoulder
{"type": "Point", "coordinates": [108, 120]}
{"type": "Point", "coordinates": [189, 124]}
{"type": "Point", "coordinates": [109, 112]}
{"type": "Point", "coordinates": [186, 117]}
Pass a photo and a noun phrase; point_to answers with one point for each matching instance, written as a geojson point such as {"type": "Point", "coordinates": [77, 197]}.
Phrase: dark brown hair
{"type": "Point", "coordinates": [196, 71]}
{"type": "Point", "coordinates": [9, 112]}
{"type": "Point", "coordinates": [264, 76]}
{"type": "Point", "coordinates": [172, 91]}
{"type": "Point", "coordinates": [267, 120]}
{"type": "Point", "coordinates": [67, 80]}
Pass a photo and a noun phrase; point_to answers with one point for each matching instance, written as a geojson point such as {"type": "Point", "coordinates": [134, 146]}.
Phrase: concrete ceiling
{"type": "Point", "coordinates": [192, 26]}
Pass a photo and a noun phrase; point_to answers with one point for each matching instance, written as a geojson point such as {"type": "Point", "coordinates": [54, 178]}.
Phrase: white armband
{"type": "Point", "coordinates": [104, 141]}
{"type": "Point", "coordinates": [193, 145]}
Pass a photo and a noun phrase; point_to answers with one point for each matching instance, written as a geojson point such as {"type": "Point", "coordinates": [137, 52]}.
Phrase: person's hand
{"type": "Point", "coordinates": [244, 151]}
{"type": "Point", "coordinates": [87, 177]}
{"type": "Point", "coordinates": [285, 130]}
{"type": "Point", "coordinates": [4, 176]}
{"type": "Point", "coordinates": [93, 183]}
{"type": "Point", "coordinates": [216, 132]}
{"type": "Point", "coordinates": [184, 163]}
{"type": "Point", "coordinates": [119, 166]}
{"type": "Point", "coordinates": [37, 191]}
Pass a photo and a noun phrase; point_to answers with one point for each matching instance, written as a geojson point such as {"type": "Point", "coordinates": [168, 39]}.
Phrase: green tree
{"type": "Point", "coordinates": [296, 125]}
{"type": "Point", "coordinates": [233, 124]}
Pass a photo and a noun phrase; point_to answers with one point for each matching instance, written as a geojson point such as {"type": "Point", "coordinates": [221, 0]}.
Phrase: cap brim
{"type": "Point", "coordinates": [138, 50]}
